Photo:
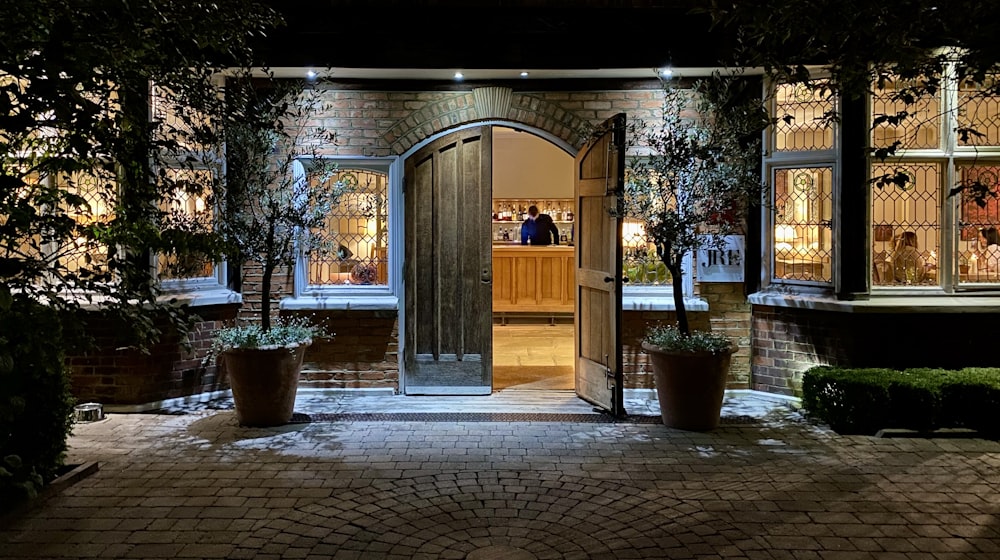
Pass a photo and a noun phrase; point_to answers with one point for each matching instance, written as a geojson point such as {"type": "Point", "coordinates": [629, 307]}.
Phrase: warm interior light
{"type": "Point", "coordinates": [633, 234]}
{"type": "Point", "coordinates": [784, 234]}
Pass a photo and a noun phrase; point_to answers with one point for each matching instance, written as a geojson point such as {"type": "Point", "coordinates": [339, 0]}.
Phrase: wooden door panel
{"type": "Point", "coordinates": [448, 342]}
{"type": "Point", "coordinates": [600, 175]}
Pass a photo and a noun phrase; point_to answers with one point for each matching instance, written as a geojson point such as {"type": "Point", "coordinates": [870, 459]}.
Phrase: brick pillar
{"type": "Point", "coordinates": [729, 313]}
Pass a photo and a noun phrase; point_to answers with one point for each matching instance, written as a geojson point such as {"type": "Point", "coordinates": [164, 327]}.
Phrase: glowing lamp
{"type": "Point", "coordinates": [784, 234]}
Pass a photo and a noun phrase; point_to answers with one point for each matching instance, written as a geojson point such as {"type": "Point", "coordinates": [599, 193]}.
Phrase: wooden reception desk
{"type": "Point", "coordinates": [533, 279]}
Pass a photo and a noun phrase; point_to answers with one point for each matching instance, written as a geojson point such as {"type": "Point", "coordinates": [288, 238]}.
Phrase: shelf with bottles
{"type": "Point", "coordinates": [508, 210]}
{"type": "Point", "coordinates": [504, 231]}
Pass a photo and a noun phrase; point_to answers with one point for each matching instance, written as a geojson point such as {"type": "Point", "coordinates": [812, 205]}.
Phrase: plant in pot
{"type": "Point", "coordinates": [277, 191]}
{"type": "Point", "coordinates": [694, 177]}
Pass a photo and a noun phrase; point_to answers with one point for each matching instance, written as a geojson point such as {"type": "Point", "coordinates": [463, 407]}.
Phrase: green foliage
{"type": "Point", "coordinates": [863, 45]}
{"type": "Point", "coordinates": [278, 189]}
{"type": "Point", "coordinates": [35, 402]}
{"type": "Point", "coordinates": [83, 167]}
{"type": "Point", "coordinates": [84, 185]}
{"type": "Point", "coordinates": [284, 332]}
{"type": "Point", "coordinates": [697, 170]}
{"type": "Point", "coordinates": [859, 42]}
{"type": "Point", "coordinates": [669, 337]}
{"type": "Point", "coordinates": [863, 401]}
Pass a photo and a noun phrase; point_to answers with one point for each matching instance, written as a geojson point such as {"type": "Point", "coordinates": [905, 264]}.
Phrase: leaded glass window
{"type": "Point", "coordinates": [803, 209]}
{"type": "Point", "coordinates": [352, 248]}
{"type": "Point", "coordinates": [802, 111]}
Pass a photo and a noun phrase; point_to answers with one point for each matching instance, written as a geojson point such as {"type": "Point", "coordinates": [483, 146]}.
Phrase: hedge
{"type": "Point", "coordinates": [865, 400]}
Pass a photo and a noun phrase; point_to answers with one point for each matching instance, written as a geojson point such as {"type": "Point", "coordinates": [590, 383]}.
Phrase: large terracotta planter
{"type": "Point", "coordinates": [264, 383]}
{"type": "Point", "coordinates": [690, 386]}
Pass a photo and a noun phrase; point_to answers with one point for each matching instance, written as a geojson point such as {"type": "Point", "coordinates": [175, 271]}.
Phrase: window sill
{"type": "Point", "coordinates": [646, 302]}
{"type": "Point", "coordinates": [201, 298]}
{"type": "Point", "coordinates": [884, 303]}
{"type": "Point", "coordinates": [342, 303]}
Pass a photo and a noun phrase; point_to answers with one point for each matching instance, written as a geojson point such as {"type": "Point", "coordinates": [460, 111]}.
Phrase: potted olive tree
{"type": "Point", "coordinates": [694, 178]}
{"type": "Point", "coordinates": [276, 192]}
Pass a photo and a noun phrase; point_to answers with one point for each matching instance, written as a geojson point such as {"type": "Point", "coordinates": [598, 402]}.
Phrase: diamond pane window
{"type": "Point", "coordinates": [979, 221]}
{"type": "Point", "coordinates": [177, 122]}
{"type": "Point", "coordinates": [86, 253]}
{"type": "Point", "coordinates": [353, 246]}
{"type": "Point", "coordinates": [914, 126]}
{"type": "Point", "coordinates": [17, 205]}
{"type": "Point", "coordinates": [803, 244]}
{"type": "Point", "coordinates": [186, 211]}
{"type": "Point", "coordinates": [978, 115]}
{"type": "Point", "coordinates": [906, 229]}
{"type": "Point", "coordinates": [640, 264]}
{"type": "Point", "coordinates": [801, 125]}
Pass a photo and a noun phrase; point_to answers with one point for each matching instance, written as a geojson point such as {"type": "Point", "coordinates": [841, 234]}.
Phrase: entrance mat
{"type": "Point", "coordinates": [300, 418]}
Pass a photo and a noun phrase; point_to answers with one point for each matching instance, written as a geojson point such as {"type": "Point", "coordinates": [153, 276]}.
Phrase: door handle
{"type": "Point", "coordinates": [609, 279]}
{"type": "Point", "coordinates": [484, 275]}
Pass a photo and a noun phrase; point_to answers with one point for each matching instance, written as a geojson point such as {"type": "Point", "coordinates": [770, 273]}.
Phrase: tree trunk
{"type": "Point", "coordinates": [674, 266]}
{"type": "Point", "coordinates": [265, 297]}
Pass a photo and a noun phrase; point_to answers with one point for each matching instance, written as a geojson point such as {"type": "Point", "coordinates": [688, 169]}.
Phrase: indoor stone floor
{"type": "Point", "coordinates": [535, 356]}
{"type": "Point", "coordinates": [539, 344]}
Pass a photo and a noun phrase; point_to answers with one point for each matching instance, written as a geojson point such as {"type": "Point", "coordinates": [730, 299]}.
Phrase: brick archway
{"type": "Point", "coordinates": [461, 109]}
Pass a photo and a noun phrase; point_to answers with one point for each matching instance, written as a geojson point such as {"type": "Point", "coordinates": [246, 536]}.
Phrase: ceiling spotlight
{"type": "Point", "coordinates": [458, 76]}
{"type": "Point", "coordinates": [311, 74]}
{"type": "Point", "coordinates": [524, 74]}
{"type": "Point", "coordinates": [666, 72]}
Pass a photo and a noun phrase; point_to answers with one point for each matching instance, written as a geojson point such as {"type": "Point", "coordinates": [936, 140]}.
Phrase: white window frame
{"type": "Point", "coordinates": [343, 297]}
{"type": "Point", "coordinates": [773, 160]}
{"type": "Point", "coordinates": [197, 290]}
{"type": "Point", "coordinates": [948, 155]}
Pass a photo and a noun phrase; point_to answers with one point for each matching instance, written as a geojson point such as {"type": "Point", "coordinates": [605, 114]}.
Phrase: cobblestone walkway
{"type": "Point", "coordinates": [196, 485]}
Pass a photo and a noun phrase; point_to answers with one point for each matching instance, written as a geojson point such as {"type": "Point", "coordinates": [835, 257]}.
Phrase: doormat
{"type": "Point", "coordinates": [300, 418]}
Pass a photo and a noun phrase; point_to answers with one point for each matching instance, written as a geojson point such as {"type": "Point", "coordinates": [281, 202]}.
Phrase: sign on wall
{"type": "Point", "coordinates": [725, 265]}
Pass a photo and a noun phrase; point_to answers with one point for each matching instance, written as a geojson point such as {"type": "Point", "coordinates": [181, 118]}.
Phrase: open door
{"type": "Point", "coordinates": [447, 266]}
{"type": "Point", "coordinates": [600, 178]}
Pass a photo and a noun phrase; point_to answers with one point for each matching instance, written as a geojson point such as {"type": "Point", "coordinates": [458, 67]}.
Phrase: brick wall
{"type": "Point", "coordinates": [786, 342]}
{"type": "Point", "coordinates": [381, 123]}
{"type": "Point", "coordinates": [363, 354]}
{"type": "Point", "coordinates": [111, 375]}
{"type": "Point", "coordinates": [728, 312]}
{"type": "Point", "coordinates": [281, 286]}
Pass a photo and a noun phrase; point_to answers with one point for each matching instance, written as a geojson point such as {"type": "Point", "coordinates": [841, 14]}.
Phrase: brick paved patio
{"type": "Point", "coordinates": [196, 485]}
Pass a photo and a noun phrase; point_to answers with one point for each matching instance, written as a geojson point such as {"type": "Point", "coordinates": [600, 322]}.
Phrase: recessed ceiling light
{"type": "Point", "coordinates": [311, 74]}
{"type": "Point", "coordinates": [666, 72]}
{"type": "Point", "coordinates": [524, 74]}
{"type": "Point", "coordinates": [458, 76]}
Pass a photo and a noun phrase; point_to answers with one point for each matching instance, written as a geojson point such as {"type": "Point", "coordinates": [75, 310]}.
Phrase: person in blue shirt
{"type": "Point", "coordinates": [539, 229]}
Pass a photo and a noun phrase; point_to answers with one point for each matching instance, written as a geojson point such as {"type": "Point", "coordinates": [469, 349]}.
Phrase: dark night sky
{"type": "Point", "coordinates": [495, 34]}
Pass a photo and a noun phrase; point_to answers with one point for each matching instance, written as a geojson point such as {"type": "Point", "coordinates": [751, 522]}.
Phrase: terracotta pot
{"type": "Point", "coordinates": [690, 386]}
{"type": "Point", "coordinates": [264, 383]}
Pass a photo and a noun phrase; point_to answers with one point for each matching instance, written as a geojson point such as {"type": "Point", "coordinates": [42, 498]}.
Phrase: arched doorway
{"type": "Point", "coordinates": [532, 285]}
{"type": "Point", "coordinates": [450, 274]}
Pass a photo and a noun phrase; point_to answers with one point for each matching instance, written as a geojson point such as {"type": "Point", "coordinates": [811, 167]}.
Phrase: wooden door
{"type": "Point", "coordinates": [447, 266]}
{"type": "Point", "coordinates": [600, 177]}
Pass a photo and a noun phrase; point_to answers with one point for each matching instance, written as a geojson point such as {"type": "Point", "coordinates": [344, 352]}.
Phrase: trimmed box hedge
{"type": "Point", "coordinates": [866, 400]}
